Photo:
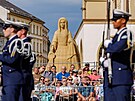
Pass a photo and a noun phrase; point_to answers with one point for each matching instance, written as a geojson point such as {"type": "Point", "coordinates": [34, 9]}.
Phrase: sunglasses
{"type": "Point", "coordinates": [46, 81]}
{"type": "Point", "coordinates": [5, 26]}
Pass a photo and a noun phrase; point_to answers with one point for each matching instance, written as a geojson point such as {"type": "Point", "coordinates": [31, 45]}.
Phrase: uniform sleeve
{"type": "Point", "coordinates": [9, 59]}
{"type": "Point", "coordinates": [118, 46]}
{"type": "Point", "coordinates": [12, 54]}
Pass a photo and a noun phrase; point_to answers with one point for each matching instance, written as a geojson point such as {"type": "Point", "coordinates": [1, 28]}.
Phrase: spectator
{"type": "Point", "coordinates": [53, 69]}
{"type": "Point", "coordinates": [58, 85]}
{"type": "Point", "coordinates": [100, 91]}
{"type": "Point", "coordinates": [74, 90]}
{"type": "Point", "coordinates": [94, 76]}
{"type": "Point", "coordinates": [72, 67]}
{"type": "Point", "coordinates": [65, 91]}
{"type": "Point", "coordinates": [80, 73]}
{"type": "Point", "coordinates": [49, 74]}
{"type": "Point", "coordinates": [75, 77]}
{"type": "Point", "coordinates": [86, 71]}
{"type": "Point", "coordinates": [87, 65]}
{"type": "Point", "coordinates": [41, 84]}
{"type": "Point", "coordinates": [48, 91]}
{"type": "Point", "coordinates": [62, 73]}
{"type": "Point", "coordinates": [69, 81]}
{"type": "Point", "coordinates": [41, 70]}
{"type": "Point", "coordinates": [71, 73]}
{"type": "Point", "coordinates": [36, 75]}
{"type": "Point", "coordinates": [38, 89]}
{"type": "Point", "coordinates": [85, 92]}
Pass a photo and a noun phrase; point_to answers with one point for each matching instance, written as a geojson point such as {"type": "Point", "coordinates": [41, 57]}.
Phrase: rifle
{"type": "Point", "coordinates": [108, 37]}
{"type": "Point", "coordinates": [102, 47]}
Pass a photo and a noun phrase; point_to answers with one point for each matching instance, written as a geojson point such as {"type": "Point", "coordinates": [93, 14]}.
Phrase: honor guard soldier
{"type": "Point", "coordinates": [28, 61]}
{"type": "Point", "coordinates": [12, 76]}
{"type": "Point", "coordinates": [120, 49]}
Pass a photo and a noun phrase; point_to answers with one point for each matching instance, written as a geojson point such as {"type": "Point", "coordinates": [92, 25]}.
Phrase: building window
{"type": "Point", "coordinates": [37, 47]}
{"type": "Point", "coordinates": [13, 19]}
{"type": "Point", "coordinates": [40, 47]}
{"type": "Point", "coordinates": [34, 29]}
{"type": "Point", "coordinates": [45, 46]}
{"type": "Point", "coordinates": [30, 28]}
{"type": "Point", "coordinates": [37, 31]}
{"type": "Point", "coordinates": [33, 46]}
{"type": "Point", "coordinates": [40, 30]}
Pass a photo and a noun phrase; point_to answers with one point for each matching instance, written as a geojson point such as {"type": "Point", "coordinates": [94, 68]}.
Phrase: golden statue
{"type": "Point", "coordinates": [63, 49]}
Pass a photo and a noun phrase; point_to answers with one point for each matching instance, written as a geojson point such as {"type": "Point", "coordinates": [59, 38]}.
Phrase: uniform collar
{"type": "Point", "coordinates": [124, 28]}
{"type": "Point", "coordinates": [12, 37]}
{"type": "Point", "coordinates": [24, 38]}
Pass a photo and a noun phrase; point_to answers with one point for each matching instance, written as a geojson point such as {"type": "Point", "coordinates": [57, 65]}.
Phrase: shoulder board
{"type": "Point", "coordinates": [120, 35]}
{"type": "Point", "coordinates": [27, 49]}
{"type": "Point", "coordinates": [124, 37]}
{"type": "Point", "coordinates": [13, 46]}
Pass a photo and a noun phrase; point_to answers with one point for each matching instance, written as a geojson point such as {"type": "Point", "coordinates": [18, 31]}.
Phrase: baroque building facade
{"type": "Point", "coordinates": [90, 32]}
{"type": "Point", "coordinates": [38, 31]}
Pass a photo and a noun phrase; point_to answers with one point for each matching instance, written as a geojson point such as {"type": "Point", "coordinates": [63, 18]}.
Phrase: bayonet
{"type": "Point", "coordinates": [108, 37]}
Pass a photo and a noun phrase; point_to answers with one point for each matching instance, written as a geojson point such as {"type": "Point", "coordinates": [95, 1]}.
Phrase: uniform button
{"type": "Point", "coordinates": [10, 70]}
{"type": "Point", "coordinates": [119, 68]}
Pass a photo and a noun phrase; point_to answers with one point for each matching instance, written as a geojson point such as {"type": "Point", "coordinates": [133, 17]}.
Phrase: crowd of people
{"type": "Point", "coordinates": [84, 84]}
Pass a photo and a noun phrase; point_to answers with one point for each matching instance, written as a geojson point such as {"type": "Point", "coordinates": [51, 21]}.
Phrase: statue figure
{"type": "Point", "coordinates": [63, 49]}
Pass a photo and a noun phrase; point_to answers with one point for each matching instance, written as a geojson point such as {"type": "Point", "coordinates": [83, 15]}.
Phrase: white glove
{"type": "Point", "coordinates": [107, 42]}
{"type": "Point", "coordinates": [105, 63]}
{"type": "Point", "coordinates": [101, 59]}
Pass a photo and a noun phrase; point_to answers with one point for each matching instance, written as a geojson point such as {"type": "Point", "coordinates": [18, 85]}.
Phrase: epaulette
{"type": "Point", "coordinates": [13, 47]}
{"type": "Point", "coordinates": [130, 41]}
{"type": "Point", "coordinates": [128, 36]}
{"type": "Point", "coordinates": [27, 49]}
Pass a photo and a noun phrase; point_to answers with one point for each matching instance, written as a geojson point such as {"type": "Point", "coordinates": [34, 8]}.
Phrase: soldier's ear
{"type": "Point", "coordinates": [12, 29]}
{"type": "Point", "coordinates": [123, 20]}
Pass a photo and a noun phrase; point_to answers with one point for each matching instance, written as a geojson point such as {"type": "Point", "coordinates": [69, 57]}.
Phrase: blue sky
{"type": "Point", "coordinates": [51, 10]}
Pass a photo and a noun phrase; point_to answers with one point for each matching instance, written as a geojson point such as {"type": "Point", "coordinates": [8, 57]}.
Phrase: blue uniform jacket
{"type": "Point", "coordinates": [120, 59]}
{"type": "Point", "coordinates": [27, 65]}
{"type": "Point", "coordinates": [11, 65]}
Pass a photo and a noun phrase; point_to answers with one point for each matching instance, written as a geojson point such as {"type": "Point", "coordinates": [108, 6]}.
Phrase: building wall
{"type": "Point", "coordinates": [132, 8]}
{"type": "Point", "coordinates": [91, 37]}
{"type": "Point", "coordinates": [3, 16]}
{"type": "Point", "coordinates": [90, 33]}
{"type": "Point", "coordinates": [37, 30]}
{"type": "Point", "coordinates": [96, 9]}
{"type": "Point", "coordinates": [3, 13]}
{"type": "Point", "coordinates": [95, 13]}
{"type": "Point", "coordinates": [40, 42]}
